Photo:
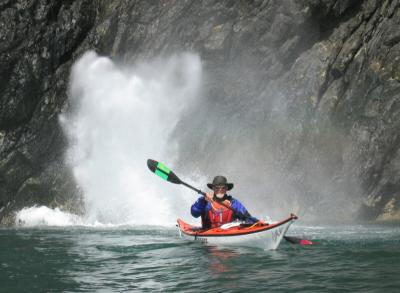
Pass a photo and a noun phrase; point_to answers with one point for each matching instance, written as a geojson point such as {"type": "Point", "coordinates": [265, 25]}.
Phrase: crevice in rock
{"type": "Point", "coordinates": [333, 73]}
{"type": "Point", "coordinates": [6, 4]}
{"type": "Point", "coordinates": [328, 23]}
{"type": "Point", "coordinates": [53, 12]}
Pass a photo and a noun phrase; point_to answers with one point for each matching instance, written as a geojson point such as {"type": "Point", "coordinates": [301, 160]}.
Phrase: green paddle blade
{"type": "Point", "coordinates": [163, 171]}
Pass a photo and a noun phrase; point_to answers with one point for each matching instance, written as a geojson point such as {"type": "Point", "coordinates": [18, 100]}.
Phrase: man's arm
{"type": "Point", "coordinates": [199, 207]}
{"type": "Point", "coordinates": [241, 212]}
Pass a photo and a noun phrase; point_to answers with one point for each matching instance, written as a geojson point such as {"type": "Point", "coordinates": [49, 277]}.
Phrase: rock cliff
{"type": "Point", "coordinates": [305, 92]}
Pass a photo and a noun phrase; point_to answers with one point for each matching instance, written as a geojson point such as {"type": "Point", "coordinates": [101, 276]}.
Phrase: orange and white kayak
{"type": "Point", "coordinates": [265, 236]}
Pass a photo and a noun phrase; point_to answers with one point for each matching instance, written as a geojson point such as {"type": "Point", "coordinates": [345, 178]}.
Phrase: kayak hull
{"type": "Point", "coordinates": [267, 236]}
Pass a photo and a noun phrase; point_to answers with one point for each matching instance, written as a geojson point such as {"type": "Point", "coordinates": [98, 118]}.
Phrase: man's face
{"type": "Point", "coordinates": [219, 190]}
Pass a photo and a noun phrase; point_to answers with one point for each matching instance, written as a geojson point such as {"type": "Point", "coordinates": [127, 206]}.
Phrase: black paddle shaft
{"type": "Point", "coordinates": [193, 188]}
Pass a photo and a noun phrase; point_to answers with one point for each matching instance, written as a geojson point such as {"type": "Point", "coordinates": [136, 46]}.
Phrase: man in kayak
{"type": "Point", "coordinates": [219, 208]}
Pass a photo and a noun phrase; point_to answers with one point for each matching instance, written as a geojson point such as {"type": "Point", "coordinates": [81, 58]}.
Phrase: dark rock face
{"type": "Point", "coordinates": [305, 93]}
{"type": "Point", "coordinates": [38, 40]}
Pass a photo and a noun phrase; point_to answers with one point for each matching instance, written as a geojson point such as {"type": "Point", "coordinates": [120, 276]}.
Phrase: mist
{"type": "Point", "coordinates": [281, 153]}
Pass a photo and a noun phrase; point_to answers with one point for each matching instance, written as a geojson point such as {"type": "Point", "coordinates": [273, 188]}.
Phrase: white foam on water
{"type": "Point", "coordinates": [119, 117]}
{"type": "Point", "coordinates": [44, 216]}
{"type": "Point", "coordinates": [39, 216]}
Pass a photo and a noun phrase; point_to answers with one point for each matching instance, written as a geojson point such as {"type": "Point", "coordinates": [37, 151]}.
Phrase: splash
{"type": "Point", "coordinates": [44, 216]}
{"type": "Point", "coordinates": [119, 117]}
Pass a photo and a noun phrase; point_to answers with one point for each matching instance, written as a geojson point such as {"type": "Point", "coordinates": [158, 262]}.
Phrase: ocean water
{"type": "Point", "coordinates": [155, 259]}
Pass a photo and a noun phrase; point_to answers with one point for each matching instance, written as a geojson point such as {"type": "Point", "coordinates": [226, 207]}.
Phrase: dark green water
{"type": "Point", "coordinates": [347, 259]}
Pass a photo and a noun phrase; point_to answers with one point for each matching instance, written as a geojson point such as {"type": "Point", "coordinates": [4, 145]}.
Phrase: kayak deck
{"type": "Point", "coordinates": [234, 231]}
{"type": "Point", "coordinates": [267, 236]}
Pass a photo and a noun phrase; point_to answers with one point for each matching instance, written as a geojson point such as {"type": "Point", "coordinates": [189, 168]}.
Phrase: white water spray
{"type": "Point", "coordinates": [119, 117]}
{"type": "Point", "coordinates": [44, 216]}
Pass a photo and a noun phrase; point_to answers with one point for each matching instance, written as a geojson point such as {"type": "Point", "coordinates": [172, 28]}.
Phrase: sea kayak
{"type": "Point", "coordinates": [265, 236]}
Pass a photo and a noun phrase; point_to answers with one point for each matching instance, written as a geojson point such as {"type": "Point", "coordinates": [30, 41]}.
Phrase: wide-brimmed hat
{"type": "Point", "coordinates": [220, 180]}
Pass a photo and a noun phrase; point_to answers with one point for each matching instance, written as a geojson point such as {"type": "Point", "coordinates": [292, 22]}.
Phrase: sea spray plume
{"type": "Point", "coordinates": [120, 116]}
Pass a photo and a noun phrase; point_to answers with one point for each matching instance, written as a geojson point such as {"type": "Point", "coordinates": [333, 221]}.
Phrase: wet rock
{"type": "Point", "coordinates": [309, 87]}
{"type": "Point", "coordinates": [38, 39]}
